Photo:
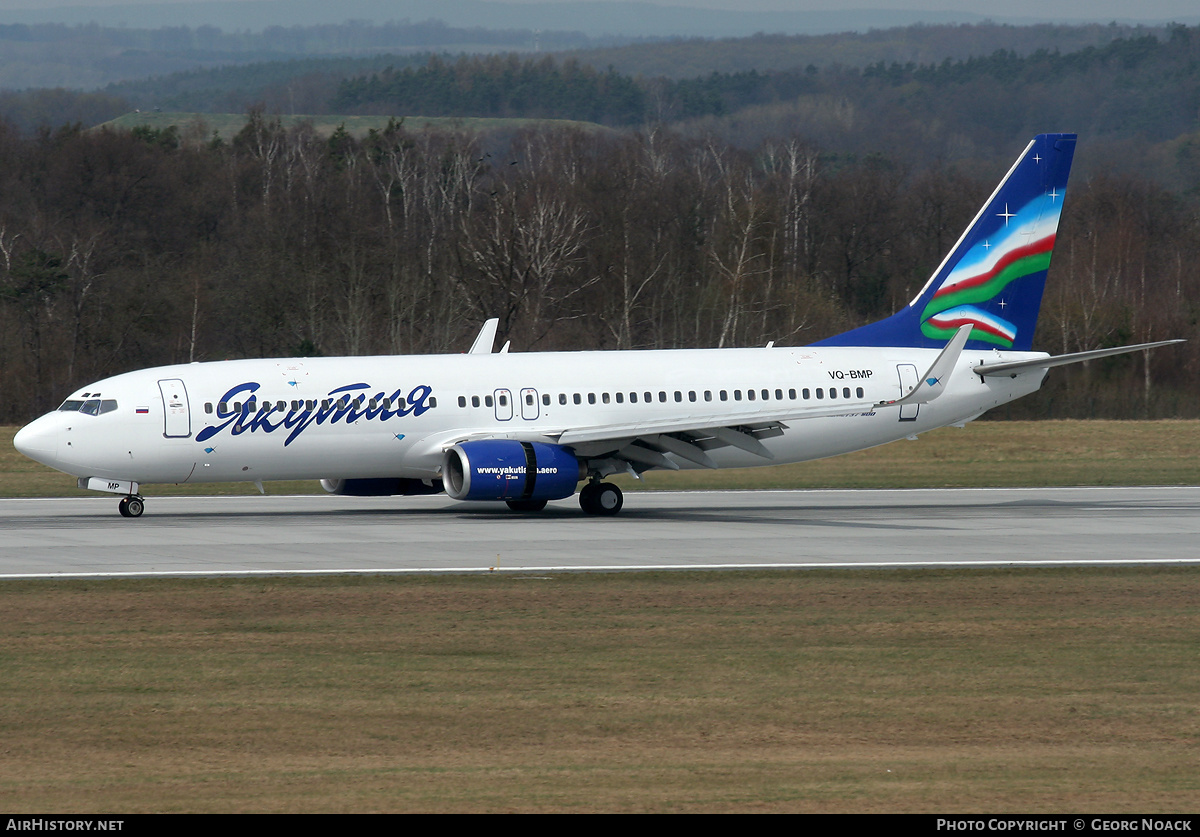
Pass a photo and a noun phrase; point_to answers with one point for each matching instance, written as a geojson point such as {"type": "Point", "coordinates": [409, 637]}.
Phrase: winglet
{"type": "Point", "coordinates": [486, 339]}
{"type": "Point", "coordinates": [933, 383]}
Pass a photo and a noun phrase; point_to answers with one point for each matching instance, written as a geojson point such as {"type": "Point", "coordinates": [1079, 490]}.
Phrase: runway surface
{"type": "Point", "coordinates": [85, 537]}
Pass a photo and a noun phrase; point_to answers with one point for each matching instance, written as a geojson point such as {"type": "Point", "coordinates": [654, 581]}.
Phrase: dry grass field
{"type": "Point", "coordinates": [1051, 690]}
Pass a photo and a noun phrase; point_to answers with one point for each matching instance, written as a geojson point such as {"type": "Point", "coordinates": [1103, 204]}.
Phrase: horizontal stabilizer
{"type": "Point", "coordinates": [1012, 369]}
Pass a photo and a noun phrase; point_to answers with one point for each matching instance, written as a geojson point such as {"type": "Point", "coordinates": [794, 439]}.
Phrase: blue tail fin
{"type": "Point", "coordinates": [994, 276]}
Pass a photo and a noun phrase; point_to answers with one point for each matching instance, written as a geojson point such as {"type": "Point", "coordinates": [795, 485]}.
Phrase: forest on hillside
{"type": "Point", "coordinates": [1135, 97]}
{"type": "Point", "coordinates": [1143, 90]}
{"type": "Point", "coordinates": [120, 250]}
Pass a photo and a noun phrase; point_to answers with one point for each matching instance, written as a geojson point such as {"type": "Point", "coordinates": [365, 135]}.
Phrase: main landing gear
{"type": "Point", "coordinates": [131, 506]}
{"type": "Point", "coordinates": [601, 498]}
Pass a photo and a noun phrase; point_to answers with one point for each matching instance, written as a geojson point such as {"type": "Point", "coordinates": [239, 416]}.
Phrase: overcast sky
{"type": "Point", "coordinates": [1060, 9]}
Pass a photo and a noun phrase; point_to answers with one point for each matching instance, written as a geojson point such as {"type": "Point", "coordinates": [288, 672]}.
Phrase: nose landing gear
{"type": "Point", "coordinates": [131, 506]}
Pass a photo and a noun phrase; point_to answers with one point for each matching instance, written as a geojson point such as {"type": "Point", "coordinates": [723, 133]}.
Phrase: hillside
{"type": "Point", "coordinates": [207, 125]}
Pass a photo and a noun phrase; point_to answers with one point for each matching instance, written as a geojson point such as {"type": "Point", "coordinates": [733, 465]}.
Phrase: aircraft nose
{"type": "Point", "coordinates": [38, 440]}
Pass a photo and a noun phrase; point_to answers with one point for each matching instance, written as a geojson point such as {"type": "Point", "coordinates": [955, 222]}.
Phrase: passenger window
{"type": "Point", "coordinates": [487, 400]}
{"type": "Point", "coordinates": [562, 398]}
{"type": "Point", "coordinates": [678, 396]}
{"type": "Point", "coordinates": [708, 395]}
{"type": "Point", "coordinates": [546, 400]}
{"type": "Point", "coordinates": [804, 393]}
{"type": "Point", "coordinates": [724, 395]}
{"type": "Point", "coordinates": [820, 394]}
{"type": "Point", "coordinates": [576, 398]}
{"type": "Point", "coordinates": [833, 392]}
{"type": "Point", "coordinates": [662, 397]}
{"type": "Point", "coordinates": [604, 397]}
{"type": "Point", "coordinates": [462, 400]}
{"type": "Point", "coordinates": [208, 407]}
{"type": "Point", "coordinates": [749, 395]}
{"type": "Point", "coordinates": [633, 398]}
{"type": "Point", "coordinates": [792, 394]}
{"type": "Point", "coordinates": [845, 392]}
{"type": "Point", "coordinates": [474, 400]}
{"type": "Point", "coordinates": [591, 398]}
{"type": "Point", "coordinates": [858, 393]}
{"type": "Point", "coordinates": [432, 402]}
{"type": "Point", "coordinates": [529, 399]}
{"type": "Point", "coordinates": [647, 397]}
{"type": "Point", "coordinates": [620, 398]}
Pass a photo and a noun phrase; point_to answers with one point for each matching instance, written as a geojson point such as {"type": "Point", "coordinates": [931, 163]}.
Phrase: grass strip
{"type": "Point", "coordinates": [951, 691]}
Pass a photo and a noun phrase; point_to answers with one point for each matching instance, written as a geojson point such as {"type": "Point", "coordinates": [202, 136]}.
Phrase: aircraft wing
{"type": "Point", "coordinates": [648, 442]}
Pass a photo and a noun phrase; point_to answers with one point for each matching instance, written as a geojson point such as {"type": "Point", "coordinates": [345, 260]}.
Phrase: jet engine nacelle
{"type": "Point", "coordinates": [382, 487]}
{"type": "Point", "coordinates": [502, 469]}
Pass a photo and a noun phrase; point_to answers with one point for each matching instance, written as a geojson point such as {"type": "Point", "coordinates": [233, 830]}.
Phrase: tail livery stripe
{"type": "Point", "coordinates": [987, 327]}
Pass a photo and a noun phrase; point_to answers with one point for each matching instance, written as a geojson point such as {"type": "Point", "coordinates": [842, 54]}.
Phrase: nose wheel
{"type": "Point", "coordinates": [131, 506]}
{"type": "Point", "coordinates": [601, 498]}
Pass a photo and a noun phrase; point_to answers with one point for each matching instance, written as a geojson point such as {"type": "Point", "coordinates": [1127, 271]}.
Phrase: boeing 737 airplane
{"type": "Point", "coordinates": [528, 428]}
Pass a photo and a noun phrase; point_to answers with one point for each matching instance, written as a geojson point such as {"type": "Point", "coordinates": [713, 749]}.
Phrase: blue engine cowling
{"type": "Point", "coordinates": [381, 487]}
{"type": "Point", "coordinates": [502, 469]}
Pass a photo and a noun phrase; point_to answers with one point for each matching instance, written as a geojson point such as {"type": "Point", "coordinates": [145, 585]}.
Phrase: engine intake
{"type": "Point", "coordinates": [502, 469]}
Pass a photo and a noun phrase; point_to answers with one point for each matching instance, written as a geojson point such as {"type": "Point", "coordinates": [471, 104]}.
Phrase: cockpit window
{"type": "Point", "coordinates": [91, 407]}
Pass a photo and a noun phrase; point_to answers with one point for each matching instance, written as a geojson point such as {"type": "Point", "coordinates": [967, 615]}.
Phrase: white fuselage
{"type": "Point", "coordinates": [206, 422]}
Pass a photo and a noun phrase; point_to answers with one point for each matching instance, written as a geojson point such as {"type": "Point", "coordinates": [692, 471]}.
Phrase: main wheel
{"type": "Point", "coordinates": [601, 498]}
{"type": "Point", "coordinates": [131, 506]}
{"type": "Point", "coordinates": [587, 497]}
